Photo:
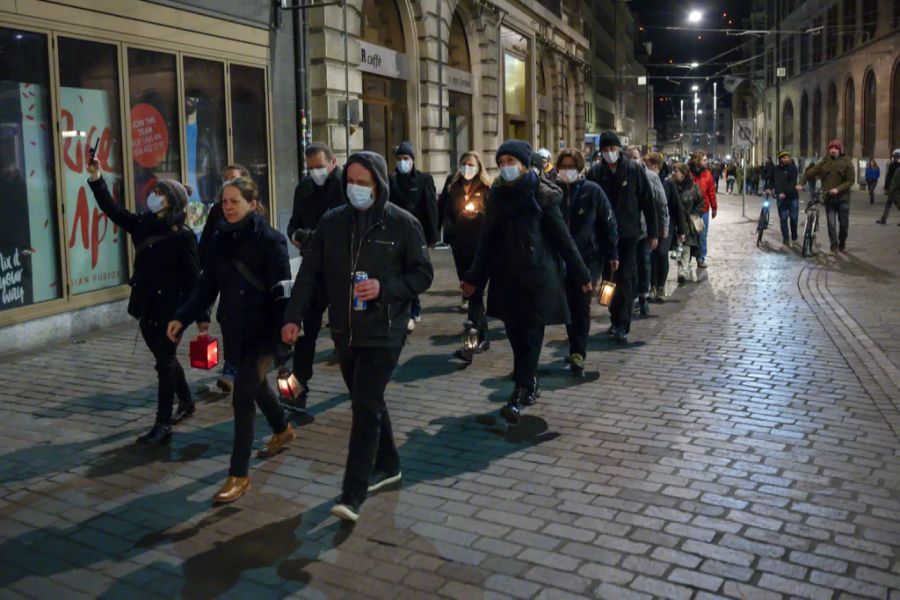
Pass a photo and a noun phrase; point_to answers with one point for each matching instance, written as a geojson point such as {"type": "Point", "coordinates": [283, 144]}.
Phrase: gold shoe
{"type": "Point", "coordinates": [232, 489]}
{"type": "Point", "coordinates": [277, 443]}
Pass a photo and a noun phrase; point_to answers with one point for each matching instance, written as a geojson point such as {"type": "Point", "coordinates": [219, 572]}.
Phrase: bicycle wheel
{"type": "Point", "coordinates": [808, 238]}
{"type": "Point", "coordinates": [761, 226]}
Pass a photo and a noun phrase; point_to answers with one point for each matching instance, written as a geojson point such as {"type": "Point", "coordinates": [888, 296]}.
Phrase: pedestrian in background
{"type": "Point", "coordinates": [629, 193]}
{"type": "Point", "coordinates": [592, 225]}
{"type": "Point", "coordinates": [316, 194]}
{"type": "Point", "coordinates": [893, 191]}
{"type": "Point", "coordinates": [463, 200]}
{"type": "Point", "coordinates": [248, 269]}
{"type": "Point", "coordinates": [691, 218]}
{"type": "Point", "coordinates": [214, 218]}
{"type": "Point", "coordinates": [166, 268]}
{"type": "Point", "coordinates": [659, 257]}
{"type": "Point", "coordinates": [717, 173]}
{"type": "Point", "coordinates": [837, 175]}
{"type": "Point", "coordinates": [643, 250]}
{"type": "Point", "coordinates": [873, 174]}
{"type": "Point", "coordinates": [703, 179]}
{"type": "Point", "coordinates": [659, 265]}
{"type": "Point", "coordinates": [373, 236]}
{"type": "Point", "coordinates": [730, 176]}
{"type": "Point", "coordinates": [524, 251]}
{"type": "Point", "coordinates": [784, 188]}
{"type": "Point", "coordinates": [413, 191]}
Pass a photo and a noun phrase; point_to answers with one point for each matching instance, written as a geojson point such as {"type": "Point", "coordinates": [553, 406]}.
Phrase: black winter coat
{"type": "Point", "coordinates": [591, 222]}
{"type": "Point", "coordinates": [311, 202]}
{"type": "Point", "coordinates": [415, 193]}
{"type": "Point", "coordinates": [250, 317]}
{"type": "Point", "coordinates": [785, 180]}
{"type": "Point", "coordinates": [890, 174]}
{"type": "Point", "coordinates": [673, 199]}
{"type": "Point", "coordinates": [214, 218]}
{"type": "Point", "coordinates": [165, 270]}
{"type": "Point", "coordinates": [525, 250]}
{"type": "Point", "coordinates": [630, 195]}
{"type": "Point", "coordinates": [462, 228]}
{"type": "Point", "coordinates": [387, 243]}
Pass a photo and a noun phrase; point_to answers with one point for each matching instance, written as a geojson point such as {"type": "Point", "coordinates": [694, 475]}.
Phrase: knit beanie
{"type": "Point", "coordinates": [609, 138]}
{"type": "Point", "coordinates": [518, 149]}
{"type": "Point", "coordinates": [405, 148]}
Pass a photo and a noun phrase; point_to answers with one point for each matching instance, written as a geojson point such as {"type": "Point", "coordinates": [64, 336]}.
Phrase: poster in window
{"type": "Point", "coordinates": [96, 245]}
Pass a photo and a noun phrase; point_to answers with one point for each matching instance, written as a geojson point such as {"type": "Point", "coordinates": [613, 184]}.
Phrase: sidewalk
{"type": "Point", "coordinates": [745, 445]}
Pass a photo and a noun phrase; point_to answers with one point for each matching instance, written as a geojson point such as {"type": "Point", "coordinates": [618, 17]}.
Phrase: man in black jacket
{"type": "Point", "coordinates": [368, 318]}
{"type": "Point", "coordinates": [783, 186]}
{"type": "Point", "coordinates": [316, 194]}
{"type": "Point", "coordinates": [629, 192]}
{"type": "Point", "coordinates": [414, 191]}
{"type": "Point", "coordinates": [592, 225]}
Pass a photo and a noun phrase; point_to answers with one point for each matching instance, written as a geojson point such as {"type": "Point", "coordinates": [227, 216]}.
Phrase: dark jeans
{"type": "Point", "coordinates": [251, 389]}
{"type": "Point", "coordinates": [643, 268]}
{"type": "Point", "coordinates": [580, 310]}
{"type": "Point", "coordinates": [305, 348]}
{"type": "Point", "coordinates": [625, 277]}
{"type": "Point", "coordinates": [887, 207]}
{"type": "Point", "coordinates": [415, 308]}
{"type": "Point", "coordinates": [872, 185]}
{"type": "Point", "coordinates": [526, 338]}
{"type": "Point", "coordinates": [168, 369]}
{"type": "Point", "coordinates": [366, 373]}
{"type": "Point", "coordinates": [789, 211]}
{"type": "Point", "coordinates": [659, 261]}
{"type": "Point", "coordinates": [837, 212]}
{"type": "Point", "coordinates": [476, 301]}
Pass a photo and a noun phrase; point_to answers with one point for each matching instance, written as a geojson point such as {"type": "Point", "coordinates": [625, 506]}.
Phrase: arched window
{"type": "Point", "coordinates": [381, 25]}
{"type": "Point", "coordinates": [459, 46]}
{"type": "Point", "coordinates": [849, 116]}
{"type": "Point", "coordinates": [787, 126]}
{"type": "Point", "coordinates": [868, 116]}
{"type": "Point", "coordinates": [895, 104]}
{"type": "Point", "coordinates": [817, 123]}
{"type": "Point", "coordinates": [831, 112]}
{"type": "Point", "coordinates": [804, 124]}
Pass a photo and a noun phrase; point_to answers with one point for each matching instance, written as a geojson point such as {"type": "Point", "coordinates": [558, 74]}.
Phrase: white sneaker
{"type": "Point", "coordinates": [411, 326]}
{"type": "Point", "coordinates": [418, 319]}
{"type": "Point", "coordinates": [345, 512]}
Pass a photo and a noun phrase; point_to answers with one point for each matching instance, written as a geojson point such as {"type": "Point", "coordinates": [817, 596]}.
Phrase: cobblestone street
{"type": "Point", "coordinates": [746, 444]}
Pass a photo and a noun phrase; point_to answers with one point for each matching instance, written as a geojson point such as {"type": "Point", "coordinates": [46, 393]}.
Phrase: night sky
{"type": "Point", "coordinates": [684, 47]}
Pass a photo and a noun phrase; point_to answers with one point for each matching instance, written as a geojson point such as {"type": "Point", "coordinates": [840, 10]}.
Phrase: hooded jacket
{"type": "Point", "coordinates": [415, 193]}
{"type": "Point", "coordinates": [704, 180]}
{"type": "Point", "coordinates": [250, 317]}
{"type": "Point", "coordinates": [630, 196]}
{"type": "Point", "coordinates": [525, 251]}
{"type": "Point", "coordinates": [833, 173]}
{"type": "Point", "coordinates": [166, 266]}
{"type": "Point", "coordinates": [591, 222]}
{"type": "Point", "coordinates": [384, 241]}
{"type": "Point", "coordinates": [659, 200]}
{"type": "Point", "coordinates": [311, 202]}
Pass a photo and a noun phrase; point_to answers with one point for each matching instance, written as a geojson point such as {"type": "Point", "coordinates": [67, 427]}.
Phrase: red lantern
{"type": "Point", "coordinates": [204, 352]}
{"type": "Point", "coordinates": [288, 386]}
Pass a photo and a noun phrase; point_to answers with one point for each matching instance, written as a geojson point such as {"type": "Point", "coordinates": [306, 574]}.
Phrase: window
{"type": "Point", "coordinates": [895, 107]}
{"type": "Point", "coordinates": [89, 109]}
{"type": "Point", "coordinates": [831, 112]}
{"type": "Point", "coordinates": [29, 231]}
{"type": "Point", "coordinates": [248, 124]}
{"type": "Point", "coordinates": [868, 116]}
{"type": "Point", "coordinates": [817, 122]}
{"type": "Point", "coordinates": [849, 116]}
{"type": "Point", "coordinates": [381, 24]}
{"type": "Point", "coordinates": [818, 41]}
{"type": "Point", "coordinates": [804, 124]}
{"type": "Point", "coordinates": [831, 33]}
{"type": "Point", "coordinates": [155, 150]}
{"type": "Point", "coordinates": [804, 53]}
{"type": "Point", "coordinates": [205, 138]}
{"type": "Point", "coordinates": [870, 18]}
{"type": "Point", "coordinates": [787, 126]}
{"type": "Point", "coordinates": [515, 88]}
{"type": "Point", "coordinates": [848, 26]}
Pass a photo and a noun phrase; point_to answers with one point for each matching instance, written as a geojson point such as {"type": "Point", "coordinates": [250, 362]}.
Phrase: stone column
{"type": "Point", "coordinates": [434, 34]}
{"type": "Point", "coordinates": [491, 95]}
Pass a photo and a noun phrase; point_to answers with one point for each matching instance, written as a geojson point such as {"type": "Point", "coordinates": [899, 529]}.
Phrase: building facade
{"type": "Point", "coordinates": [840, 79]}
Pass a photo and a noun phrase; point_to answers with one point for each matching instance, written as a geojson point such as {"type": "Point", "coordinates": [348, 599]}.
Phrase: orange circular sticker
{"type": "Point", "coordinates": [149, 135]}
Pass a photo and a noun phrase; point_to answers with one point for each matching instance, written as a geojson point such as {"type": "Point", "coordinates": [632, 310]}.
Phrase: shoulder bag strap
{"type": "Point", "coordinates": [247, 275]}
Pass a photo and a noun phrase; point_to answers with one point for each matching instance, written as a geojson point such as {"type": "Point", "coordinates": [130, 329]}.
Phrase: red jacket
{"type": "Point", "coordinates": [707, 186]}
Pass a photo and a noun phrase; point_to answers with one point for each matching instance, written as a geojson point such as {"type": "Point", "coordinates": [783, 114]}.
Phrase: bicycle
{"type": "Point", "coordinates": [763, 223]}
{"type": "Point", "coordinates": [812, 224]}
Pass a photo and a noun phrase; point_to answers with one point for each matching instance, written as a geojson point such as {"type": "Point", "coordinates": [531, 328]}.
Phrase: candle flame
{"type": "Point", "coordinates": [470, 207]}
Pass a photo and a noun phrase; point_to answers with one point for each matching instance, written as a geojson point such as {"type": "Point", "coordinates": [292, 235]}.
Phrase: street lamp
{"type": "Point", "coordinates": [695, 16]}
{"type": "Point", "coordinates": [695, 88]}
{"type": "Point", "coordinates": [694, 65]}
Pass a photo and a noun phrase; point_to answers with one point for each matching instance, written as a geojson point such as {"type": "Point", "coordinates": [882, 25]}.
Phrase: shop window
{"type": "Point", "coordinates": [153, 105]}
{"type": "Point", "coordinates": [248, 124]}
{"type": "Point", "coordinates": [515, 88]}
{"type": "Point", "coordinates": [29, 246]}
{"type": "Point", "coordinates": [88, 111]}
{"type": "Point", "coordinates": [205, 138]}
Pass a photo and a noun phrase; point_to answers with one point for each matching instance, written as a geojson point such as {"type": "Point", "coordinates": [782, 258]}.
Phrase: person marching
{"type": "Point", "coordinates": [463, 200]}
{"type": "Point", "coordinates": [166, 268]}
{"type": "Point", "coordinates": [658, 269]}
{"type": "Point", "coordinates": [316, 194]}
{"type": "Point", "coordinates": [371, 259]}
{"type": "Point", "coordinates": [659, 264]}
{"type": "Point", "coordinates": [892, 170]}
{"type": "Point", "coordinates": [414, 191]}
{"type": "Point", "coordinates": [837, 175]}
{"type": "Point", "coordinates": [248, 269]}
{"type": "Point", "coordinates": [699, 165]}
{"type": "Point", "coordinates": [592, 225]}
{"type": "Point", "coordinates": [690, 218]}
{"type": "Point", "coordinates": [524, 242]}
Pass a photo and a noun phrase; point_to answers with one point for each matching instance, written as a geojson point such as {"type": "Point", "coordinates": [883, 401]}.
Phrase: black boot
{"type": "Point", "coordinates": [511, 411]}
{"type": "Point", "coordinates": [160, 435]}
{"type": "Point", "coordinates": [530, 393]}
{"type": "Point", "coordinates": [184, 410]}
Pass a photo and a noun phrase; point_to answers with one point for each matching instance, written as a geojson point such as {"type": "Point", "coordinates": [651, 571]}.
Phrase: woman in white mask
{"type": "Point", "coordinates": [592, 224]}
{"type": "Point", "coordinates": [462, 203]}
{"type": "Point", "coordinates": [166, 267]}
{"type": "Point", "coordinates": [524, 242]}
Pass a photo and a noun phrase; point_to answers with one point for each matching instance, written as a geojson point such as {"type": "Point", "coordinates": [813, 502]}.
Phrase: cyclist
{"type": "Point", "coordinates": [783, 186]}
{"type": "Point", "coordinates": [837, 175]}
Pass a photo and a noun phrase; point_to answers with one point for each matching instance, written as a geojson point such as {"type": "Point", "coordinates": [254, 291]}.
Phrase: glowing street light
{"type": "Point", "coordinates": [695, 88]}
{"type": "Point", "coordinates": [694, 65]}
{"type": "Point", "coordinates": [695, 16]}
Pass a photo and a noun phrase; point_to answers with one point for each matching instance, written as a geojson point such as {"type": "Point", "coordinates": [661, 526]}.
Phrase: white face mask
{"type": "Point", "coordinates": [510, 173]}
{"type": "Point", "coordinates": [569, 175]}
{"type": "Point", "coordinates": [404, 166]}
{"type": "Point", "coordinates": [360, 196]}
{"type": "Point", "coordinates": [319, 175]}
{"type": "Point", "coordinates": [155, 203]}
{"type": "Point", "coordinates": [611, 157]}
{"type": "Point", "coordinates": [468, 172]}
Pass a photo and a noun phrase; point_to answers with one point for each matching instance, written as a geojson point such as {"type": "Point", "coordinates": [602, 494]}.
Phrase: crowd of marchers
{"type": "Point", "coordinates": [531, 248]}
